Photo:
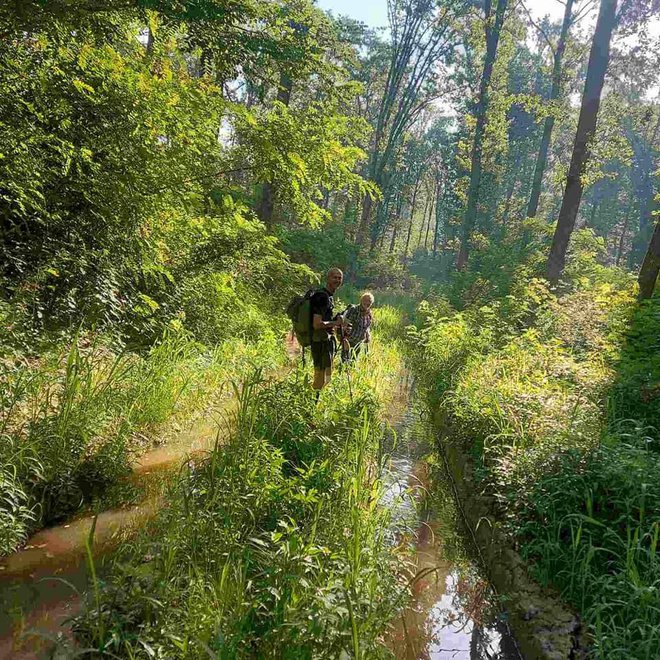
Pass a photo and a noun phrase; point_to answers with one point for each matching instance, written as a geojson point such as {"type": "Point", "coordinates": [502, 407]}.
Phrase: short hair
{"type": "Point", "coordinates": [368, 294]}
{"type": "Point", "coordinates": [334, 270]}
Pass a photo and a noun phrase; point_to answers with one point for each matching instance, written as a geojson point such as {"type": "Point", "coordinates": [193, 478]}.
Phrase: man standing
{"type": "Point", "coordinates": [324, 344]}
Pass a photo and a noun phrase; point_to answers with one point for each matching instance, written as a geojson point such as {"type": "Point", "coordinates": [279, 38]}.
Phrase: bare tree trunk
{"type": "Point", "coordinates": [267, 202]}
{"type": "Point", "coordinates": [648, 273]}
{"type": "Point", "coordinates": [595, 205]}
{"type": "Point", "coordinates": [397, 221]}
{"type": "Point", "coordinates": [492, 39]}
{"type": "Point", "coordinates": [421, 229]}
{"type": "Point", "coordinates": [412, 219]}
{"type": "Point", "coordinates": [598, 61]}
{"type": "Point", "coordinates": [428, 224]}
{"type": "Point", "coordinates": [437, 217]}
{"type": "Point", "coordinates": [624, 229]}
{"type": "Point", "coordinates": [542, 156]}
{"type": "Point", "coordinates": [150, 43]}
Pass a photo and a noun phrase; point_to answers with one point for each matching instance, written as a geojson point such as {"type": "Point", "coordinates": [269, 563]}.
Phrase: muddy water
{"type": "Point", "coordinates": [40, 585]}
{"type": "Point", "coordinates": [452, 615]}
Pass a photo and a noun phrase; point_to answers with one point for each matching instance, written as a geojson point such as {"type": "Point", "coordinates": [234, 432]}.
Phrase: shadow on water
{"type": "Point", "coordinates": [453, 613]}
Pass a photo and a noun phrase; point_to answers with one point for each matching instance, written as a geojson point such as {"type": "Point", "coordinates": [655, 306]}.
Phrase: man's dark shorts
{"type": "Point", "coordinates": [323, 353]}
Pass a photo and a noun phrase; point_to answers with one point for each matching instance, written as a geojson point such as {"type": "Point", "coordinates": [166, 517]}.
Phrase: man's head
{"type": "Point", "coordinates": [366, 300]}
{"type": "Point", "coordinates": [334, 279]}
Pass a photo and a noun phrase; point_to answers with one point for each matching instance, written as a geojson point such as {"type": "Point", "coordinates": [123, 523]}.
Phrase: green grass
{"type": "Point", "coordinates": [275, 544]}
{"type": "Point", "coordinates": [555, 399]}
{"type": "Point", "coordinates": [73, 419]}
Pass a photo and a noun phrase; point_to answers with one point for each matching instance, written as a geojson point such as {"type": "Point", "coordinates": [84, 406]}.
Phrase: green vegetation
{"type": "Point", "coordinates": [554, 398]}
{"type": "Point", "coordinates": [73, 420]}
{"type": "Point", "coordinates": [275, 543]}
{"type": "Point", "coordinates": [172, 173]}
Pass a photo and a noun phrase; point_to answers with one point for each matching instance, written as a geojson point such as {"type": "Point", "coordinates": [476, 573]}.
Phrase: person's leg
{"type": "Point", "coordinates": [319, 368]}
{"type": "Point", "coordinates": [319, 379]}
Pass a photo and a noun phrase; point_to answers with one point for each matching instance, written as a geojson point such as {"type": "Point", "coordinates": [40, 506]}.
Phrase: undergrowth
{"type": "Point", "coordinates": [72, 420]}
{"type": "Point", "coordinates": [555, 395]}
{"type": "Point", "coordinates": [275, 544]}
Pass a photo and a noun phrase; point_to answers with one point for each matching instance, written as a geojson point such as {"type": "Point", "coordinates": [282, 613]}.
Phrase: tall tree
{"type": "Point", "coordinates": [598, 61]}
{"type": "Point", "coordinates": [422, 36]}
{"type": "Point", "coordinates": [648, 273]}
{"type": "Point", "coordinates": [493, 28]}
{"type": "Point", "coordinates": [549, 123]}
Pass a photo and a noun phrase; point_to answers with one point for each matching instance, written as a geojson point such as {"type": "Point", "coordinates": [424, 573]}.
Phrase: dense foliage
{"type": "Point", "coordinates": [555, 398]}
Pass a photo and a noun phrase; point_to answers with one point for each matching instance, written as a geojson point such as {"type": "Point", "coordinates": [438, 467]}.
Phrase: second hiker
{"type": "Point", "coordinates": [357, 328]}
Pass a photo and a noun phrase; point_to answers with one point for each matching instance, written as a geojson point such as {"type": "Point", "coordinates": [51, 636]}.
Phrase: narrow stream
{"type": "Point", "coordinates": [452, 615]}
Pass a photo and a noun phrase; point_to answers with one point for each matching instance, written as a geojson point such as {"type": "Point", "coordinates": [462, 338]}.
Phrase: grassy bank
{"type": "Point", "coordinates": [556, 399]}
{"type": "Point", "coordinates": [273, 545]}
{"type": "Point", "coordinates": [74, 418]}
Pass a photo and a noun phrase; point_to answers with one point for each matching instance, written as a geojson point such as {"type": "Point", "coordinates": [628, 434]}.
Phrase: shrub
{"type": "Point", "coordinates": [272, 546]}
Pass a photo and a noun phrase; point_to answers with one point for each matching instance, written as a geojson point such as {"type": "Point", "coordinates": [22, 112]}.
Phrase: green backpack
{"type": "Point", "coordinates": [299, 310]}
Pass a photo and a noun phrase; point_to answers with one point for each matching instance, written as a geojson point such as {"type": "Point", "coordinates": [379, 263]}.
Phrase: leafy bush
{"type": "Point", "coordinates": [555, 397]}
{"type": "Point", "coordinates": [274, 545]}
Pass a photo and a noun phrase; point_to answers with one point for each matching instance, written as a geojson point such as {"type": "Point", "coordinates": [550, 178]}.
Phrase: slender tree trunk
{"type": "Point", "coordinates": [509, 195]}
{"type": "Point", "coordinates": [397, 221]}
{"type": "Point", "coordinates": [421, 229]}
{"type": "Point", "coordinates": [648, 273]}
{"type": "Point", "coordinates": [150, 43]}
{"type": "Point", "coordinates": [598, 61]}
{"type": "Point", "coordinates": [267, 202]}
{"type": "Point", "coordinates": [595, 205]}
{"type": "Point", "coordinates": [548, 125]}
{"type": "Point", "coordinates": [624, 229]}
{"type": "Point", "coordinates": [492, 39]}
{"type": "Point", "coordinates": [437, 217]}
{"type": "Point", "coordinates": [428, 224]}
{"type": "Point", "coordinates": [412, 219]}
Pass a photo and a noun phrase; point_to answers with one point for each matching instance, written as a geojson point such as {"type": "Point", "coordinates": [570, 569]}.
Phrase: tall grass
{"type": "Point", "coordinates": [541, 391]}
{"type": "Point", "coordinates": [274, 545]}
{"type": "Point", "coordinates": [71, 421]}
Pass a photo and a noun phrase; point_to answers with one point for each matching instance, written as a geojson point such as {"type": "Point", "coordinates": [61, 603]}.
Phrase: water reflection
{"type": "Point", "coordinates": [451, 614]}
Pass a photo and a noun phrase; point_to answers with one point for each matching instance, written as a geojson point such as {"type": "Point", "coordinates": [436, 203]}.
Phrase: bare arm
{"type": "Point", "coordinates": [319, 324]}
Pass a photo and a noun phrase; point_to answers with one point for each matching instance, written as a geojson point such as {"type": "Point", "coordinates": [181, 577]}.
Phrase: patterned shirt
{"type": "Point", "coordinates": [360, 323]}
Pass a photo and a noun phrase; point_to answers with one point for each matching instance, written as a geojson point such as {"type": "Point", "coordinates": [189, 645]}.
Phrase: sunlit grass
{"type": "Point", "coordinates": [540, 406]}
{"type": "Point", "coordinates": [72, 421]}
{"type": "Point", "coordinates": [275, 544]}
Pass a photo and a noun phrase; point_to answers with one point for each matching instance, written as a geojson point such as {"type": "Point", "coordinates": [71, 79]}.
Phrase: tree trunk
{"type": "Point", "coordinates": [267, 202]}
{"type": "Point", "coordinates": [648, 273]}
{"type": "Point", "coordinates": [397, 221]}
{"type": "Point", "coordinates": [150, 43]}
{"type": "Point", "coordinates": [437, 217]}
{"type": "Point", "coordinates": [542, 156]}
{"type": "Point", "coordinates": [421, 229]}
{"type": "Point", "coordinates": [624, 229]}
{"type": "Point", "coordinates": [594, 212]}
{"type": "Point", "coordinates": [492, 39]}
{"type": "Point", "coordinates": [412, 219]}
{"type": "Point", "coordinates": [428, 224]}
{"type": "Point", "coordinates": [598, 61]}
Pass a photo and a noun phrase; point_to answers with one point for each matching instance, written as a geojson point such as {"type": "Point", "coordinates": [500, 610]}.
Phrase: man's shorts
{"type": "Point", "coordinates": [323, 353]}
